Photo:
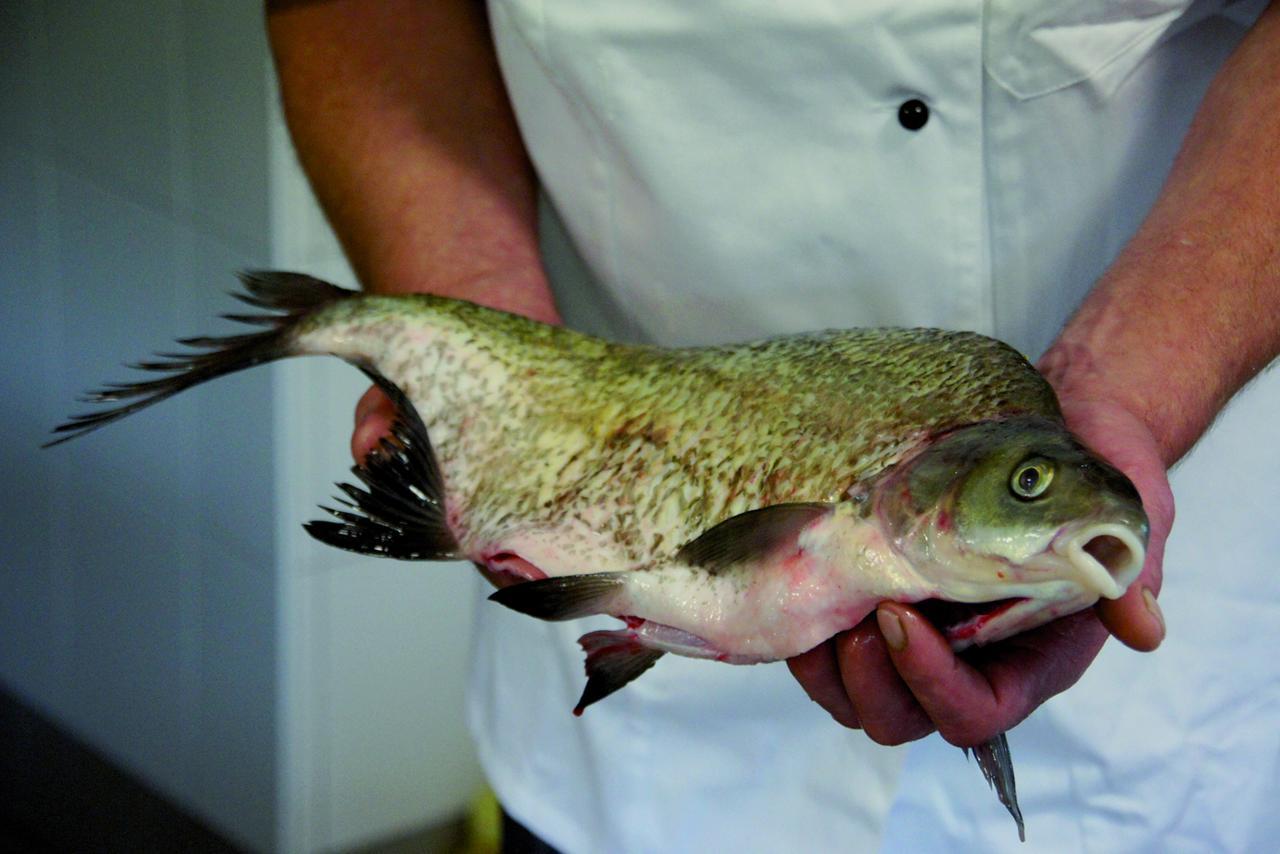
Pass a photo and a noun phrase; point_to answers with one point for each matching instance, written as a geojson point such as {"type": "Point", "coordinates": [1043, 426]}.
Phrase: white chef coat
{"type": "Point", "coordinates": [734, 169]}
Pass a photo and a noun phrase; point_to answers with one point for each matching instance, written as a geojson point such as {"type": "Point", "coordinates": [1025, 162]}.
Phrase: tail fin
{"type": "Point", "coordinates": [401, 512]}
{"type": "Point", "coordinates": [291, 295]}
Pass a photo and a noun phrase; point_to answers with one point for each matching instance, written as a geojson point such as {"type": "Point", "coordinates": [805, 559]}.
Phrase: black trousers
{"type": "Point", "coordinates": [518, 839]}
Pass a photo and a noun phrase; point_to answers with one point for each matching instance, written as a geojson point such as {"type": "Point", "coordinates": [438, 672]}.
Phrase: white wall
{"type": "Point", "coordinates": [157, 593]}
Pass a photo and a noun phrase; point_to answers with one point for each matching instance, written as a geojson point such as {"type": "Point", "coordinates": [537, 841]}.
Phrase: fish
{"type": "Point", "coordinates": [740, 503]}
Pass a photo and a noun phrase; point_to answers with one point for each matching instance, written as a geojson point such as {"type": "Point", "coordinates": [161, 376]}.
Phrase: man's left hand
{"type": "Point", "coordinates": [895, 676]}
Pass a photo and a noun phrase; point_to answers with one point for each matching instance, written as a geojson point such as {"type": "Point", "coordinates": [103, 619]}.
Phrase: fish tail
{"type": "Point", "coordinates": [288, 299]}
{"type": "Point", "coordinates": [565, 597]}
{"type": "Point", "coordinates": [400, 512]}
{"type": "Point", "coordinates": [614, 658]}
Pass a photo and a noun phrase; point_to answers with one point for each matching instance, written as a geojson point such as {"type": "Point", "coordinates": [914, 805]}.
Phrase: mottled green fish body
{"type": "Point", "coordinates": [741, 503]}
{"type": "Point", "coordinates": [537, 425]}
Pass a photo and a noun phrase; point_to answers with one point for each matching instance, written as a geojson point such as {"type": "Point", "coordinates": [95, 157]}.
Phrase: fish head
{"type": "Point", "coordinates": [1015, 515]}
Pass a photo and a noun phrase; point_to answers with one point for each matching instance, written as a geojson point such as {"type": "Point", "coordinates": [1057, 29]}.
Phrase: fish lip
{"type": "Point", "coordinates": [1107, 557]}
{"type": "Point", "coordinates": [1082, 563]}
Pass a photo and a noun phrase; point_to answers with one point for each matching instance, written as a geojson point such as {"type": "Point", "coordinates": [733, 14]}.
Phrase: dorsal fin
{"type": "Point", "coordinates": [749, 536]}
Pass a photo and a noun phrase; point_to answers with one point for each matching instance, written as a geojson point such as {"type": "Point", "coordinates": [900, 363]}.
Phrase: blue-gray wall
{"type": "Point", "coordinates": [137, 592]}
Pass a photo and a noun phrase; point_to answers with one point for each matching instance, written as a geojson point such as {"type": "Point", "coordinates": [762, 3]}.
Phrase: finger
{"type": "Point", "coordinates": [1135, 618]}
{"type": "Point", "coordinates": [372, 400]}
{"type": "Point", "coordinates": [953, 694]}
{"type": "Point", "coordinates": [374, 415]}
{"type": "Point", "coordinates": [818, 673]}
{"type": "Point", "coordinates": [882, 701]}
{"type": "Point", "coordinates": [990, 690]}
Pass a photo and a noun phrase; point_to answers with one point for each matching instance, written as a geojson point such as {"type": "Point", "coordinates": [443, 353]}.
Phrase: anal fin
{"type": "Point", "coordinates": [400, 511]}
{"type": "Point", "coordinates": [614, 658]}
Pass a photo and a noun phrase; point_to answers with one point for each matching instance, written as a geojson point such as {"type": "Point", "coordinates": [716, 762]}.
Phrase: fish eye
{"type": "Point", "coordinates": [1031, 479]}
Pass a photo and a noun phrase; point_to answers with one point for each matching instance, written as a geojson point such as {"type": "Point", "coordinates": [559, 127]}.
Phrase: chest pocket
{"type": "Point", "coordinates": [1034, 47]}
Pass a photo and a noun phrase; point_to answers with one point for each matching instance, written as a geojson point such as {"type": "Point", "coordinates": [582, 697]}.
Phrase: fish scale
{"type": "Point", "coordinates": [718, 420]}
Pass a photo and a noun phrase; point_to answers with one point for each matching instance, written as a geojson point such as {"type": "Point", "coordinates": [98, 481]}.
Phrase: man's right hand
{"type": "Point", "coordinates": [374, 414]}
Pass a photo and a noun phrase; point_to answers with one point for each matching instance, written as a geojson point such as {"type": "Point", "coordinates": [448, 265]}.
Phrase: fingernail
{"type": "Point", "coordinates": [1149, 600]}
{"type": "Point", "coordinates": [892, 629]}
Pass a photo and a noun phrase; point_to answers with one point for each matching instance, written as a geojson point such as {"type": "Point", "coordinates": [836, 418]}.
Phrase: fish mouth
{"type": "Point", "coordinates": [1100, 559]}
{"type": "Point", "coordinates": [1106, 557]}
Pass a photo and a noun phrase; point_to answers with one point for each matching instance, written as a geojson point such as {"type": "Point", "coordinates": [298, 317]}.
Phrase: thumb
{"type": "Point", "coordinates": [1135, 619]}
{"type": "Point", "coordinates": [374, 415]}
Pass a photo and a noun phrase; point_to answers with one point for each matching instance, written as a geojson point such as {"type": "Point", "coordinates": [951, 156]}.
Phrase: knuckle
{"type": "Point", "coordinates": [884, 735]}
{"type": "Point", "coordinates": [899, 734]}
{"type": "Point", "coordinates": [968, 734]}
{"type": "Point", "coordinates": [845, 718]}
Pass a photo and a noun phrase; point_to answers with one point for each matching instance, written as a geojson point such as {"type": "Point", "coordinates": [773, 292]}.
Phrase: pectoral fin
{"type": "Point", "coordinates": [997, 766]}
{"type": "Point", "coordinates": [614, 658]}
{"type": "Point", "coordinates": [750, 536]}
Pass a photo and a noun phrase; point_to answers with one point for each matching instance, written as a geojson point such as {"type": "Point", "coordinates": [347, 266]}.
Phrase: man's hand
{"type": "Point", "coordinates": [374, 414]}
{"type": "Point", "coordinates": [1180, 321]}
{"type": "Point", "coordinates": [895, 676]}
{"type": "Point", "coordinates": [402, 122]}
{"type": "Point", "coordinates": [1121, 437]}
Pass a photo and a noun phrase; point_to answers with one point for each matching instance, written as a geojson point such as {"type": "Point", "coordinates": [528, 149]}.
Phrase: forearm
{"type": "Point", "coordinates": [1190, 310]}
{"type": "Point", "coordinates": [401, 121]}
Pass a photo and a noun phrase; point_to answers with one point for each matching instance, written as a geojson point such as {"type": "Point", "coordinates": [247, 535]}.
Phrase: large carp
{"type": "Point", "coordinates": [740, 503]}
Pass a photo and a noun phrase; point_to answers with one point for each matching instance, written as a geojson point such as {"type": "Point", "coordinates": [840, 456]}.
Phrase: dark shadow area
{"type": "Point", "coordinates": [62, 796]}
